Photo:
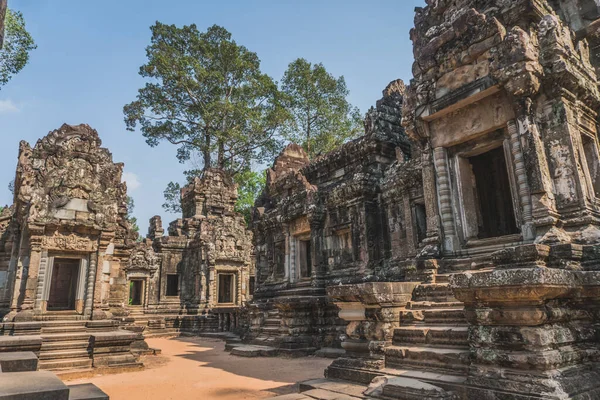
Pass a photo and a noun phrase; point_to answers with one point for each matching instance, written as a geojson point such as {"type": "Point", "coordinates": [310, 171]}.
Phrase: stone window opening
{"type": "Point", "coordinates": [592, 161]}
{"type": "Point", "coordinates": [279, 259]}
{"type": "Point", "coordinates": [172, 284]}
{"type": "Point", "coordinates": [251, 285]}
{"type": "Point", "coordinates": [304, 257]}
{"type": "Point", "coordinates": [485, 188]}
{"type": "Point", "coordinates": [226, 288]}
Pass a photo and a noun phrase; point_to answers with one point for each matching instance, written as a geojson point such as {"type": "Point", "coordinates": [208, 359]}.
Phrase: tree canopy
{"type": "Point", "coordinates": [14, 46]}
{"type": "Point", "coordinates": [207, 94]}
{"type": "Point", "coordinates": [322, 117]}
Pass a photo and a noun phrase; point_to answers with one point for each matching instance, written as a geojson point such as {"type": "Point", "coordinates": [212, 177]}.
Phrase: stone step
{"type": "Point", "coordinates": [63, 323]}
{"type": "Point", "coordinates": [65, 363]}
{"type": "Point", "coordinates": [432, 335]}
{"type": "Point", "coordinates": [63, 329]}
{"type": "Point", "coordinates": [61, 354]}
{"type": "Point", "coordinates": [249, 350]}
{"type": "Point", "coordinates": [271, 329]}
{"type": "Point", "coordinates": [64, 337]}
{"type": "Point", "coordinates": [65, 345]}
{"type": "Point", "coordinates": [453, 360]}
{"type": "Point", "coordinates": [446, 316]}
{"type": "Point", "coordinates": [86, 391]}
{"type": "Point", "coordinates": [433, 292]}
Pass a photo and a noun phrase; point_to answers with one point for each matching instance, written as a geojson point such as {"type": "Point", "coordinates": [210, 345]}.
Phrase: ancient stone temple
{"type": "Point", "coordinates": [319, 223]}
{"type": "Point", "coordinates": [196, 278]}
{"type": "Point", "coordinates": [482, 242]}
{"type": "Point", "coordinates": [62, 244]}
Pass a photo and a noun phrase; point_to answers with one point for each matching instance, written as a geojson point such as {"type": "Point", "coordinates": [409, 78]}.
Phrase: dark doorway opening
{"type": "Point", "coordinates": [304, 258]}
{"type": "Point", "coordinates": [226, 288]}
{"type": "Point", "coordinates": [63, 284]}
{"type": "Point", "coordinates": [136, 292]}
{"type": "Point", "coordinates": [420, 221]}
{"type": "Point", "coordinates": [496, 215]}
{"type": "Point", "coordinates": [172, 284]}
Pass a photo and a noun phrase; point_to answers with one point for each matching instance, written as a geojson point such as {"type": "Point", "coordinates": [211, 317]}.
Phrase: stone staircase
{"type": "Point", "coordinates": [427, 359]}
{"type": "Point", "coordinates": [270, 330]}
{"type": "Point", "coordinates": [65, 345]}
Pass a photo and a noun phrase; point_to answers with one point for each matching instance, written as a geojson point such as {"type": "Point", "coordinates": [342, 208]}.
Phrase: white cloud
{"type": "Point", "coordinates": [7, 106]}
{"type": "Point", "coordinates": [132, 181]}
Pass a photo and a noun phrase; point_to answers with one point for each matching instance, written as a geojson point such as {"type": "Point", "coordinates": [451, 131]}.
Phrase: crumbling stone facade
{"type": "Point", "coordinates": [487, 283]}
{"type": "Point", "coordinates": [62, 244]}
{"type": "Point", "coordinates": [318, 224]}
{"type": "Point", "coordinates": [196, 278]}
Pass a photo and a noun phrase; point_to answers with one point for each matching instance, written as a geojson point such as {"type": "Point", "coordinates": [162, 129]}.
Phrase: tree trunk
{"type": "Point", "coordinates": [221, 155]}
{"type": "Point", "coordinates": [3, 7]}
{"type": "Point", "coordinates": [206, 150]}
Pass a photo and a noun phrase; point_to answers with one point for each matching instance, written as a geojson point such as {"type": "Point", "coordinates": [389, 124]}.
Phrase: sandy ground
{"type": "Point", "coordinates": [199, 368]}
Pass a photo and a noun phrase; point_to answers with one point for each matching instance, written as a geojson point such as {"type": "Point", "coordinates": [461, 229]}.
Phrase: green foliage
{"type": "Point", "coordinates": [132, 220]}
{"type": "Point", "coordinates": [14, 54]}
{"type": "Point", "coordinates": [207, 95]}
{"type": "Point", "coordinates": [250, 186]}
{"type": "Point", "coordinates": [322, 117]}
{"type": "Point", "coordinates": [172, 196]}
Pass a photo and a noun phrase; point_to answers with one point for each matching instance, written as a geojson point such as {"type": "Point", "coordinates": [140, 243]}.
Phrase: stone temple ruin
{"type": "Point", "coordinates": [79, 290]}
{"type": "Point", "coordinates": [452, 252]}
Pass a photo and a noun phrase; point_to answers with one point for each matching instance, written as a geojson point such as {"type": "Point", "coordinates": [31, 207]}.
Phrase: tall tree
{"type": "Point", "coordinates": [15, 43]}
{"type": "Point", "coordinates": [207, 94]}
{"type": "Point", "coordinates": [322, 117]}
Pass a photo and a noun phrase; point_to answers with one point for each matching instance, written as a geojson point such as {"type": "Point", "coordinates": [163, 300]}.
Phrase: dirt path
{"type": "Point", "coordinates": [198, 368]}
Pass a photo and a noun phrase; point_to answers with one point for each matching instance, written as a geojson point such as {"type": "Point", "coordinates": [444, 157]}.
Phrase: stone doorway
{"type": "Point", "coordinates": [136, 292]}
{"type": "Point", "coordinates": [496, 216]}
{"type": "Point", "coordinates": [63, 285]}
{"type": "Point", "coordinates": [226, 289]}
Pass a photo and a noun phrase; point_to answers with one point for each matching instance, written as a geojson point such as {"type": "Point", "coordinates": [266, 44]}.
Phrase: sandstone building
{"type": "Point", "coordinates": [473, 258]}
{"type": "Point", "coordinates": [76, 285]}
{"type": "Point", "coordinates": [196, 278]}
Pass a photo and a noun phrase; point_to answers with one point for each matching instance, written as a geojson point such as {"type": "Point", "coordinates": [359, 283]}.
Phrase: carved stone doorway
{"type": "Point", "coordinates": [63, 286]}
{"type": "Point", "coordinates": [136, 292]}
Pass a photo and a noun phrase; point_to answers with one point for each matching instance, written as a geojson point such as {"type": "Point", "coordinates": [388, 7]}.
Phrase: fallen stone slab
{"type": "Point", "coordinates": [333, 385]}
{"type": "Point", "coordinates": [86, 391]}
{"type": "Point", "coordinates": [18, 361]}
{"type": "Point", "coordinates": [413, 389]}
{"type": "Point", "coordinates": [38, 385]}
{"type": "Point", "coordinates": [330, 352]}
{"type": "Point", "coordinates": [250, 350]}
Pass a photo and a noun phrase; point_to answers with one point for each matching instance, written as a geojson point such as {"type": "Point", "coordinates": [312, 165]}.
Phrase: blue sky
{"type": "Point", "coordinates": [89, 52]}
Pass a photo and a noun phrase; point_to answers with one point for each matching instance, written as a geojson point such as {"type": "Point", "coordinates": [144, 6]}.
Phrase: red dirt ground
{"type": "Point", "coordinates": [199, 368]}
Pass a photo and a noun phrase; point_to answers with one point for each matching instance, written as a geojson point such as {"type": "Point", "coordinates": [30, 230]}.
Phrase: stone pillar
{"type": "Point", "coordinates": [445, 198]}
{"type": "Point", "coordinates": [44, 274]}
{"type": "Point", "coordinates": [522, 184]}
{"type": "Point", "coordinates": [371, 310]}
{"type": "Point", "coordinates": [89, 288]}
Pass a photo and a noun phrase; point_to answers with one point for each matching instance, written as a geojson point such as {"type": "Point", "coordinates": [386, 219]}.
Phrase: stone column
{"type": "Point", "coordinates": [43, 275]}
{"type": "Point", "coordinates": [444, 191]}
{"type": "Point", "coordinates": [89, 288]}
{"type": "Point", "coordinates": [522, 184]}
{"type": "Point", "coordinates": [371, 310]}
